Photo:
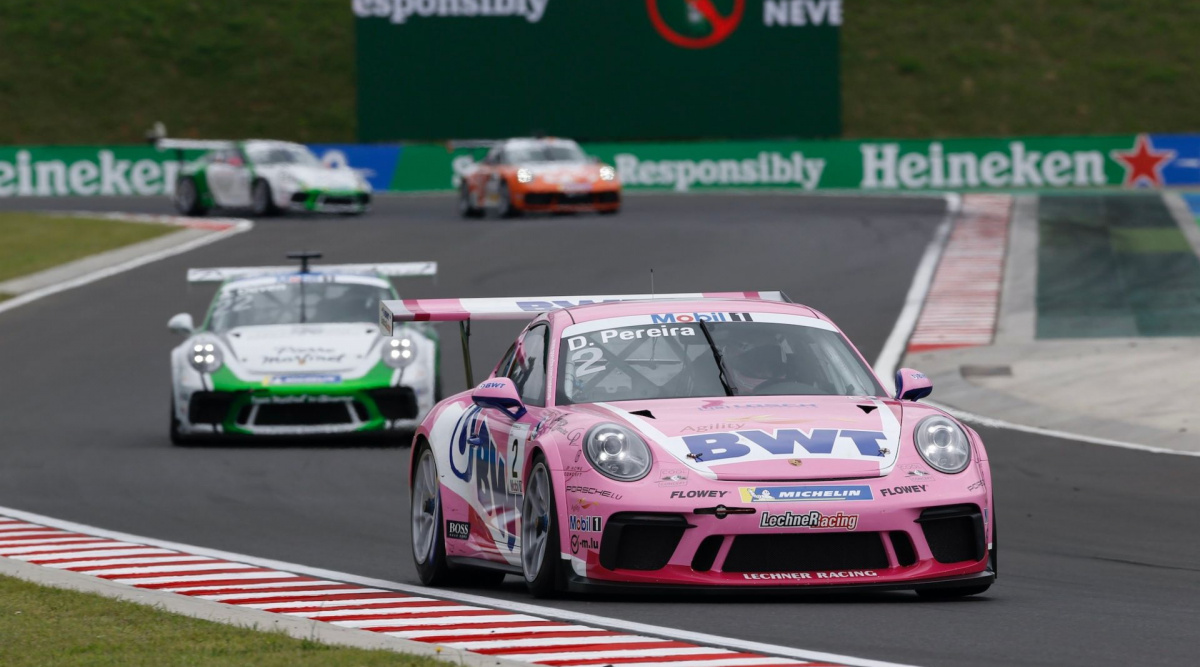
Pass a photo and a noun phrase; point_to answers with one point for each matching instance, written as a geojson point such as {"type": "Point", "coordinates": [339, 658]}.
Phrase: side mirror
{"type": "Point", "coordinates": [182, 324]}
{"type": "Point", "coordinates": [593, 159]}
{"type": "Point", "coordinates": [501, 394]}
{"type": "Point", "coordinates": [912, 385]}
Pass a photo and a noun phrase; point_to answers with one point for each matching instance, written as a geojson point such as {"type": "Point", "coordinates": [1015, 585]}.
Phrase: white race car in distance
{"type": "Point", "coordinates": [287, 352]}
{"type": "Point", "coordinates": [265, 177]}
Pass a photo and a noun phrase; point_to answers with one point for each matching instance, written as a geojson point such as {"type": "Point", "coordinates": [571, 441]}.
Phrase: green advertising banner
{"type": "Point", "coordinates": [612, 70]}
{"type": "Point", "coordinates": [1019, 163]}
{"type": "Point", "coordinates": [1032, 163]}
{"type": "Point", "coordinates": [50, 171]}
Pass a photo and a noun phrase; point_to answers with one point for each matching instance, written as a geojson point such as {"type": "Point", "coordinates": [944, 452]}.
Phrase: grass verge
{"type": "Point", "coordinates": [228, 68]}
{"type": "Point", "coordinates": [31, 242]}
{"type": "Point", "coordinates": [50, 626]}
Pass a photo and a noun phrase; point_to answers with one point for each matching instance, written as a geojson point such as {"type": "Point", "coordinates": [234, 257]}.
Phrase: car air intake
{"type": "Point", "coordinates": [301, 414]}
{"type": "Point", "coordinates": [636, 541]}
{"type": "Point", "coordinates": [210, 407]}
{"type": "Point", "coordinates": [706, 553]}
{"type": "Point", "coordinates": [805, 552]}
{"type": "Point", "coordinates": [954, 533]}
{"type": "Point", "coordinates": [395, 402]}
{"type": "Point", "coordinates": [902, 544]}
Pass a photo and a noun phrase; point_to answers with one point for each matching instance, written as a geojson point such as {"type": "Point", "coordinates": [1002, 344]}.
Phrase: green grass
{"type": "Point", "coordinates": [31, 242]}
{"type": "Point", "coordinates": [49, 626]}
{"type": "Point", "coordinates": [87, 71]}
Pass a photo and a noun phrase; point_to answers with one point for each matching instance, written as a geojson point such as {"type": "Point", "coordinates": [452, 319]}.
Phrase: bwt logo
{"type": "Point", "coordinates": [709, 447]}
{"type": "Point", "coordinates": [700, 317]}
{"type": "Point", "coordinates": [543, 306]}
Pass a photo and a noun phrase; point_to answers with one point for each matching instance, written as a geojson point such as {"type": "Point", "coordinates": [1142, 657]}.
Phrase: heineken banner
{"type": "Point", "coordinates": [1030, 163]}
{"type": "Point", "coordinates": [612, 70]}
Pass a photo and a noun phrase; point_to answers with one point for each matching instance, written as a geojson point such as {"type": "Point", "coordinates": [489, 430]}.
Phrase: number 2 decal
{"type": "Point", "coordinates": [517, 436]}
{"type": "Point", "coordinates": [586, 358]}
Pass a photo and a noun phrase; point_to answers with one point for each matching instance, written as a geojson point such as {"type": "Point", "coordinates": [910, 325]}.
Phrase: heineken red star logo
{"type": "Point", "coordinates": [1143, 165]}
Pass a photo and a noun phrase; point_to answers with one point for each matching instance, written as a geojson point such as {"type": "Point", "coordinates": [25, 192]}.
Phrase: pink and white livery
{"type": "Point", "coordinates": [716, 440]}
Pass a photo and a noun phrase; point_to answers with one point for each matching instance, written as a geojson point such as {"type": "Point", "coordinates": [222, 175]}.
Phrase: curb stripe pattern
{"type": "Point", "coordinates": [491, 632]}
{"type": "Point", "coordinates": [964, 299]}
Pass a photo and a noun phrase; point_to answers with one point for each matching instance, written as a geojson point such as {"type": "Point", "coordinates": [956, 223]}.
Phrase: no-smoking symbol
{"type": "Point", "coordinates": [721, 25]}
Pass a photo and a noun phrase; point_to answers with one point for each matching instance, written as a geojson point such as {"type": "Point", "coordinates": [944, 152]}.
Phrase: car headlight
{"type": "Point", "coordinates": [608, 173]}
{"type": "Point", "coordinates": [399, 352]}
{"type": "Point", "coordinates": [617, 452]}
{"type": "Point", "coordinates": [943, 444]}
{"type": "Point", "coordinates": [524, 176]}
{"type": "Point", "coordinates": [205, 356]}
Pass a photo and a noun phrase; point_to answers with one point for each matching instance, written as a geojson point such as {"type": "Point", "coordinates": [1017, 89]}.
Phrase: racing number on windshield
{"type": "Point", "coordinates": [517, 436]}
{"type": "Point", "coordinates": [586, 358]}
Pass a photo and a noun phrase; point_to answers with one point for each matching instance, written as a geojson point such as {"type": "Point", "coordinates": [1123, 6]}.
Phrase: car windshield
{"type": "Point", "coordinates": [292, 301]}
{"type": "Point", "coordinates": [282, 154]}
{"type": "Point", "coordinates": [690, 359]}
{"type": "Point", "coordinates": [561, 151]}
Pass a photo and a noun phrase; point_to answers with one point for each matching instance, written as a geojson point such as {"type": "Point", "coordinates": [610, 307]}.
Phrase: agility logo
{"type": "Point", "coordinates": [695, 24]}
{"type": "Point", "coordinates": [788, 494]}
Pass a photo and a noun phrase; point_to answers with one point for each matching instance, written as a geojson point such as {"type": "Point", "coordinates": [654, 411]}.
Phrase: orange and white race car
{"type": "Point", "coordinates": [541, 174]}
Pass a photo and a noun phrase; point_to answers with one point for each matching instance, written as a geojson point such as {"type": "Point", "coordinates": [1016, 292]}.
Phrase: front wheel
{"type": "Point", "coordinates": [540, 559]}
{"type": "Point", "coordinates": [507, 210]}
{"type": "Point", "coordinates": [262, 201]}
{"type": "Point", "coordinates": [466, 208]}
{"type": "Point", "coordinates": [429, 551]}
{"type": "Point", "coordinates": [187, 197]}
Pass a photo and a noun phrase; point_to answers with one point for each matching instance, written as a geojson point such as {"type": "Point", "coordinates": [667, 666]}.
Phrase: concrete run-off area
{"type": "Point", "coordinates": [1096, 326]}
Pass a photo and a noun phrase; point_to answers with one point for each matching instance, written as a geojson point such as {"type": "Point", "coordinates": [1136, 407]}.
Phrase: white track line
{"type": "Point", "coordinates": [28, 297]}
{"type": "Point", "coordinates": [897, 341]}
{"type": "Point", "coordinates": [519, 611]}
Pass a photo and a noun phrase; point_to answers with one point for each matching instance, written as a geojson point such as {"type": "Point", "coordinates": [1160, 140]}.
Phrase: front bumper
{"type": "Point", "coordinates": [909, 541]}
{"type": "Point", "coordinates": [325, 411]}
{"type": "Point", "coordinates": [322, 201]}
{"type": "Point", "coordinates": [598, 198]}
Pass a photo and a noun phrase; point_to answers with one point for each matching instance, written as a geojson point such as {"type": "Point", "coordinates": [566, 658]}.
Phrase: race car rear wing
{"type": "Point", "coordinates": [392, 270]}
{"type": "Point", "coordinates": [521, 308]}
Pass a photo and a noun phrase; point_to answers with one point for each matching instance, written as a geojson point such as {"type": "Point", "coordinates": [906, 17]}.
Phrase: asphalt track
{"type": "Point", "coordinates": [1099, 545]}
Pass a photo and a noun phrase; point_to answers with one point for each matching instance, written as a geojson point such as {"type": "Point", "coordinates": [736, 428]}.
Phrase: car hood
{"type": "Point", "coordinates": [771, 438]}
{"type": "Point", "coordinates": [322, 178]}
{"type": "Point", "coordinates": [302, 348]}
{"type": "Point", "coordinates": [564, 172]}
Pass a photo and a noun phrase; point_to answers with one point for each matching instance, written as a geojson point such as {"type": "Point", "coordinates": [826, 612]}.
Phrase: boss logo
{"type": "Point", "coordinates": [458, 530]}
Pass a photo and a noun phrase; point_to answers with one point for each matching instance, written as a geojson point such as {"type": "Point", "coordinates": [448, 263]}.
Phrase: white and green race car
{"type": "Point", "coordinates": [265, 177]}
{"type": "Point", "coordinates": [287, 352]}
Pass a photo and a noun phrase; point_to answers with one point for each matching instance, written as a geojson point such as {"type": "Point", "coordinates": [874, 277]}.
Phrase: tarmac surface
{"type": "Point", "coordinates": [1099, 550]}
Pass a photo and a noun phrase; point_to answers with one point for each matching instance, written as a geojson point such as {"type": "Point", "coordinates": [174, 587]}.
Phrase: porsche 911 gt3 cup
{"type": "Point", "coordinates": [286, 352]}
{"type": "Point", "coordinates": [266, 177]}
{"type": "Point", "coordinates": [713, 441]}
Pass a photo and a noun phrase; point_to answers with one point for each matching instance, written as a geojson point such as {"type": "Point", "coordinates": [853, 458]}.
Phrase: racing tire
{"type": "Point", "coordinates": [465, 208]}
{"type": "Point", "coordinates": [541, 562]}
{"type": "Point", "coordinates": [507, 210]}
{"type": "Point", "coordinates": [262, 201]}
{"type": "Point", "coordinates": [187, 197]}
{"type": "Point", "coordinates": [425, 527]}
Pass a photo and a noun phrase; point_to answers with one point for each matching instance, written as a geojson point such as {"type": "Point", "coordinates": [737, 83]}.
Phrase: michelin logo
{"type": "Point", "coordinates": [398, 11]}
{"type": "Point", "coordinates": [788, 494]}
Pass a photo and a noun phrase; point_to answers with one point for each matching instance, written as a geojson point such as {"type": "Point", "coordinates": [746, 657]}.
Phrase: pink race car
{"type": "Point", "coordinates": [715, 441]}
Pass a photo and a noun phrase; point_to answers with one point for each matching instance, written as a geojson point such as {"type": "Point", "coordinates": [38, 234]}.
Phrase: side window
{"type": "Point", "coordinates": [528, 371]}
{"type": "Point", "coordinates": [502, 367]}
